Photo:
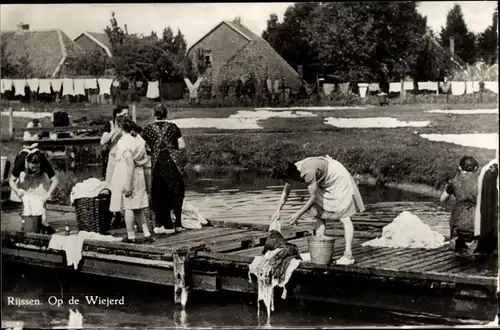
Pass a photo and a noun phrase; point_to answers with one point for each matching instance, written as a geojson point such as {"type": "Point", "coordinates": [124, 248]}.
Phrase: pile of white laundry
{"type": "Point", "coordinates": [87, 189]}
{"type": "Point", "coordinates": [408, 231]}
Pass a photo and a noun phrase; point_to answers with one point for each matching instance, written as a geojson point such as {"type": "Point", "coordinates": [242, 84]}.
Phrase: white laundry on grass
{"type": "Point", "coordinates": [373, 122]}
{"type": "Point", "coordinates": [465, 111]}
{"type": "Point", "coordinates": [244, 119]}
{"type": "Point", "coordinates": [324, 108]}
{"type": "Point", "coordinates": [478, 140]}
{"type": "Point", "coordinates": [408, 231]}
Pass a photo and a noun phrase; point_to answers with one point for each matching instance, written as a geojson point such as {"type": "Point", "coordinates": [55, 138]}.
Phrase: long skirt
{"type": "Point", "coordinates": [488, 238]}
{"type": "Point", "coordinates": [167, 191]}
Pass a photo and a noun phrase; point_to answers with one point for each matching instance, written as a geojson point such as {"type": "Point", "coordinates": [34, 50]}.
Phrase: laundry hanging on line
{"type": "Point", "coordinates": [56, 85]}
{"type": "Point", "coordinates": [193, 88]}
{"type": "Point", "coordinates": [79, 87]}
{"type": "Point", "coordinates": [362, 89]}
{"type": "Point", "coordinates": [153, 91]}
{"type": "Point", "coordinates": [90, 84]}
{"type": "Point", "coordinates": [469, 87]}
{"type": "Point", "coordinates": [19, 85]}
{"type": "Point", "coordinates": [458, 88]}
{"type": "Point", "coordinates": [44, 86]}
{"type": "Point", "coordinates": [33, 84]}
{"type": "Point", "coordinates": [68, 87]}
{"type": "Point", "coordinates": [104, 86]}
{"type": "Point", "coordinates": [6, 85]}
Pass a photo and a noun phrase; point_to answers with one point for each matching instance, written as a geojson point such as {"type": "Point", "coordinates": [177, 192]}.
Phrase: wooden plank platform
{"type": "Point", "coordinates": [218, 256]}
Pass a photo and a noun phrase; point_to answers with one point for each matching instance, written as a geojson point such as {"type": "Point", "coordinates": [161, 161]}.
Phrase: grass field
{"type": "Point", "coordinates": [393, 154]}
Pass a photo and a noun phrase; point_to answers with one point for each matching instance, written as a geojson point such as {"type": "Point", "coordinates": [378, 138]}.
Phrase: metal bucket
{"type": "Point", "coordinates": [31, 223]}
{"type": "Point", "coordinates": [321, 249]}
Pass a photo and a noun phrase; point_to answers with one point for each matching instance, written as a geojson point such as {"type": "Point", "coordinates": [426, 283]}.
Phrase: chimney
{"type": "Point", "coordinates": [452, 46]}
{"type": "Point", "coordinates": [23, 27]}
{"type": "Point", "coordinates": [237, 20]}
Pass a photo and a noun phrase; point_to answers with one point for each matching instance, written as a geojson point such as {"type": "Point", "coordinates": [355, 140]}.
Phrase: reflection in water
{"type": "Point", "coordinates": [148, 305]}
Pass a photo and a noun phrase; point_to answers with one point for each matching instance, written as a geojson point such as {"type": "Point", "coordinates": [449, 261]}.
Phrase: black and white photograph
{"type": "Point", "coordinates": [262, 165]}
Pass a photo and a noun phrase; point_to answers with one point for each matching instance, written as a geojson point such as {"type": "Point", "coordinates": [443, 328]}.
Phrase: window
{"type": "Point", "coordinates": [207, 56]}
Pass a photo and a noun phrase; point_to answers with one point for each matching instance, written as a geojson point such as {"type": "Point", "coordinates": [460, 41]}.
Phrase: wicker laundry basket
{"type": "Point", "coordinates": [92, 213]}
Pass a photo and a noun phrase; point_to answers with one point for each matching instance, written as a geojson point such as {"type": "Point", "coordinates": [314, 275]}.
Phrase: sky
{"type": "Point", "coordinates": [196, 19]}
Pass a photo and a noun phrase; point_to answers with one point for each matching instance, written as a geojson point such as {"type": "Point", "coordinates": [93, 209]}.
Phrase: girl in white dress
{"type": "Point", "coordinates": [128, 186]}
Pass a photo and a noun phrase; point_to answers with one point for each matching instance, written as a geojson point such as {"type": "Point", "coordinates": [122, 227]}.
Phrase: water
{"type": "Point", "coordinates": [151, 306]}
{"type": "Point", "coordinates": [210, 181]}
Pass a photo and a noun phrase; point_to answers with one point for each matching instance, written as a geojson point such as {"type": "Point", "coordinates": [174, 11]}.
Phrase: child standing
{"type": "Point", "coordinates": [464, 188]}
{"type": "Point", "coordinates": [128, 186]}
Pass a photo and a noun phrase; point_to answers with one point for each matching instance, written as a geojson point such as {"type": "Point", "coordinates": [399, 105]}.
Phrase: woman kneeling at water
{"type": "Point", "coordinates": [334, 195]}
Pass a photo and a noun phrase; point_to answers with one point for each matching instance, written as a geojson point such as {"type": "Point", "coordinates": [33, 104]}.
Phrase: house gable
{"type": "Point", "coordinates": [93, 41]}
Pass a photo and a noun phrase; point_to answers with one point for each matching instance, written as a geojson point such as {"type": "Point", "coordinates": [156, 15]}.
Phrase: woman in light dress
{"type": "Point", "coordinates": [334, 195]}
{"type": "Point", "coordinates": [128, 185]}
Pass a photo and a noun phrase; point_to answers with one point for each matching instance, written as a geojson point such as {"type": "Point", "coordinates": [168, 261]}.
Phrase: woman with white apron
{"type": "Point", "coordinates": [334, 195]}
{"type": "Point", "coordinates": [33, 180]}
{"type": "Point", "coordinates": [109, 141]}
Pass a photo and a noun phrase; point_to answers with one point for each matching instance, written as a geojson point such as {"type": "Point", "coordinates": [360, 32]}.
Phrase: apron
{"type": "Point", "coordinates": [111, 158]}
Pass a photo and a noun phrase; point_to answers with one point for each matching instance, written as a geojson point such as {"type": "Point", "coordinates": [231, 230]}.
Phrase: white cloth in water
{"type": "Point", "coordinates": [492, 86]}
{"type": "Point", "coordinates": [33, 85]}
{"type": "Point", "coordinates": [362, 89]}
{"type": "Point", "coordinates": [68, 88]}
{"type": "Point", "coordinates": [19, 85]}
{"type": "Point", "coordinates": [32, 205]}
{"type": "Point", "coordinates": [395, 87]}
{"type": "Point", "coordinates": [266, 292]}
{"type": "Point", "coordinates": [153, 90]}
{"type": "Point", "coordinates": [79, 87]}
{"type": "Point", "coordinates": [91, 83]}
{"type": "Point", "coordinates": [87, 188]}
{"type": "Point", "coordinates": [6, 85]}
{"type": "Point", "coordinates": [477, 215]}
{"type": "Point", "coordinates": [408, 231]}
{"type": "Point", "coordinates": [104, 86]}
{"type": "Point", "coordinates": [458, 88]}
{"type": "Point", "coordinates": [56, 85]}
{"type": "Point", "coordinates": [328, 88]}
{"type": "Point", "coordinates": [469, 87]}
{"type": "Point", "coordinates": [44, 86]}
{"type": "Point", "coordinates": [71, 245]}
{"type": "Point", "coordinates": [408, 85]}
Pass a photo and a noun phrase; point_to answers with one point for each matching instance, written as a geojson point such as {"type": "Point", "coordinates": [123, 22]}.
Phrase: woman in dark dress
{"type": "Point", "coordinates": [165, 141]}
{"type": "Point", "coordinates": [486, 217]}
{"type": "Point", "coordinates": [464, 187]}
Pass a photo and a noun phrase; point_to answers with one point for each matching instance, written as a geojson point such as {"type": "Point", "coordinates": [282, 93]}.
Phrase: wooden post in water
{"type": "Point", "coordinates": [11, 123]}
{"type": "Point", "coordinates": [181, 290]}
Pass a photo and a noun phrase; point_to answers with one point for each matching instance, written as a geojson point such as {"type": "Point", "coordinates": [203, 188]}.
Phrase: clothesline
{"type": "Point", "coordinates": [67, 86]}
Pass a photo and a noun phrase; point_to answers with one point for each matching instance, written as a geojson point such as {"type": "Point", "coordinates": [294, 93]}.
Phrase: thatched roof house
{"type": "Point", "coordinates": [45, 50]}
{"type": "Point", "coordinates": [232, 51]}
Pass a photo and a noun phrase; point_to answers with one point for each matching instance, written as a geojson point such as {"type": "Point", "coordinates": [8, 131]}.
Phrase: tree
{"type": "Point", "coordinates": [288, 39]}
{"type": "Point", "coordinates": [365, 41]}
{"type": "Point", "coordinates": [464, 40]}
{"type": "Point", "coordinates": [89, 63]}
{"type": "Point", "coordinates": [488, 42]}
{"type": "Point", "coordinates": [9, 67]}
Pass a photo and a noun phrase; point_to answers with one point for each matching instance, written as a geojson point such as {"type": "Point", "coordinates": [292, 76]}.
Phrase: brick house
{"type": "Point", "coordinates": [45, 50]}
{"type": "Point", "coordinates": [94, 41]}
{"type": "Point", "coordinates": [232, 51]}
